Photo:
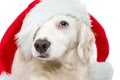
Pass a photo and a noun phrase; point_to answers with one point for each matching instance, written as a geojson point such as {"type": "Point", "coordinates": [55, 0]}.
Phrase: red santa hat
{"type": "Point", "coordinates": [8, 46]}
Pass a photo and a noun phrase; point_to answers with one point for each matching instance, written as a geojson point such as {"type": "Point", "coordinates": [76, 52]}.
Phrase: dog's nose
{"type": "Point", "coordinates": [41, 45]}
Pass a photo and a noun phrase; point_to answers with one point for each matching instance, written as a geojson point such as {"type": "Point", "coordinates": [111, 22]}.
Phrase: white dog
{"type": "Point", "coordinates": [60, 49]}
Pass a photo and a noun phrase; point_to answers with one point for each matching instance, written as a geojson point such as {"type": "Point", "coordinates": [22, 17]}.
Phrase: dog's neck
{"type": "Point", "coordinates": [70, 59]}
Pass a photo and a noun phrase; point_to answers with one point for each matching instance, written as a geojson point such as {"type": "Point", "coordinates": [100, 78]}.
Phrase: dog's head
{"type": "Point", "coordinates": [57, 37]}
{"type": "Point", "coordinates": [60, 35]}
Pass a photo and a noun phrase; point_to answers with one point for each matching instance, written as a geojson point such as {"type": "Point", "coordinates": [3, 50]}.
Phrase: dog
{"type": "Point", "coordinates": [60, 49]}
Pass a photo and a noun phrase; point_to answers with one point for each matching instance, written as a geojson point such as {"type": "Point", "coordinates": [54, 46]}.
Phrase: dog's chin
{"type": "Point", "coordinates": [46, 58]}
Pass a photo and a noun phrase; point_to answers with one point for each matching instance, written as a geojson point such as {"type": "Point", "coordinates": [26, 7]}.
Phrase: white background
{"type": "Point", "coordinates": [107, 12]}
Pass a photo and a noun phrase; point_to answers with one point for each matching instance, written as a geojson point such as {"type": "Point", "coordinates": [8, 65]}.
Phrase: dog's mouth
{"type": "Point", "coordinates": [43, 55]}
{"type": "Point", "coordinates": [46, 57]}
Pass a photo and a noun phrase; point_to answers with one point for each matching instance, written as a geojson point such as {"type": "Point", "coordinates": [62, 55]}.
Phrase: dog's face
{"type": "Point", "coordinates": [55, 37]}
{"type": "Point", "coordinates": [59, 35]}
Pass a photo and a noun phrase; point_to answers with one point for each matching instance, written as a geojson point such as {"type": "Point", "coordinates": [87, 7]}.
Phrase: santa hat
{"type": "Point", "coordinates": [101, 70]}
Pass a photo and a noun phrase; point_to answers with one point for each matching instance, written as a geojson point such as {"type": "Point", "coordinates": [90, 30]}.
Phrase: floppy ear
{"type": "Point", "coordinates": [86, 40]}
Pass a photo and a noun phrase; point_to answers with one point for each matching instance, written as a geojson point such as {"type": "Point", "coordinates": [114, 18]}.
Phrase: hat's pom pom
{"type": "Point", "coordinates": [5, 76]}
{"type": "Point", "coordinates": [101, 71]}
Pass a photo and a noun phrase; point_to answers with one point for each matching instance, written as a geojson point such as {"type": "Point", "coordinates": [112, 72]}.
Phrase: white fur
{"type": "Point", "coordinates": [69, 53]}
{"type": "Point", "coordinates": [101, 71]}
{"type": "Point", "coordinates": [5, 76]}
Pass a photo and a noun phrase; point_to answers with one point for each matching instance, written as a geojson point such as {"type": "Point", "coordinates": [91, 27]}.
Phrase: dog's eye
{"type": "Point", "coordinates": [63, 24]}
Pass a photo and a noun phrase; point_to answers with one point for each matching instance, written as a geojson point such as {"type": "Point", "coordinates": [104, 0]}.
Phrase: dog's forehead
{"type": "Point", "coordinates": [64, 17]}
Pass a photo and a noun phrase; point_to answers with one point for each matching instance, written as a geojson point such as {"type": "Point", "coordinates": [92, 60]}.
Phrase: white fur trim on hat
{"type": "Point", "coordinates": [49, 8]}
{"type": "Point", "coordinates": [101, 71]}
{"type": "Point", "coordinates": [5, 76]}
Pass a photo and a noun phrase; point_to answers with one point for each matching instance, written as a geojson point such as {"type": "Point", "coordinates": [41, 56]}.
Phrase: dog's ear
{"type": "Point", "coordinates": [85, 43]}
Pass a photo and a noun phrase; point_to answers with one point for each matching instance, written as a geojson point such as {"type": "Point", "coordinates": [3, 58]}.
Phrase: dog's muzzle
{"type": "Point", "coordinates": [42, 46]}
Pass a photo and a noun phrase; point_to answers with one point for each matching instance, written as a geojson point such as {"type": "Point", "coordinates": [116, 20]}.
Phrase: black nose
{"type": "Point", "coordinates": [41, 45]}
